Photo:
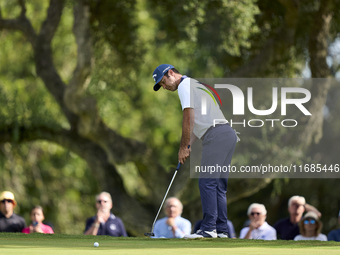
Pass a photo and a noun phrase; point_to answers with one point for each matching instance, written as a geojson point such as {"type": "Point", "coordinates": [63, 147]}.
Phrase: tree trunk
{"type": "Point", "coordinates": [318, 49]}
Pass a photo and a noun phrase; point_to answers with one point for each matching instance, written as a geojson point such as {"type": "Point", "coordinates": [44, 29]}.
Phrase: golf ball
{"type": "Point", "coordinates": [96, 244]}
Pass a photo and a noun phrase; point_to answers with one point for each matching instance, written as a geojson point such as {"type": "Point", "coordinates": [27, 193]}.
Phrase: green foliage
{"type": "Point", "coordinates": [115, 22]}
{"type": "Point", "coordinates": [219, 26]}
{"type": "Point", "coordinates": [43, 173]}
{"type": "Point", "coordinates": [206, 33]}
{"type": "Point", "coordinates": [24, 98]}
{"type": "Point", "coordinates": [25, 102]}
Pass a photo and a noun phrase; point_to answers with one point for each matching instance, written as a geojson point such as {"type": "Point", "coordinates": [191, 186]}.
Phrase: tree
{"type": "Point", "coordinates": [87, 134]}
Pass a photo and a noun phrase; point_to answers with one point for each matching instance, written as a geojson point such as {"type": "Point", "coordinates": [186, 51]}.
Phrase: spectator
{"type": "Point", "coordinates": [310, 227]}
{"type": "Point", "coordinates": [104, 222]}
{"type": "Point", "coordinates": [231, 232]}
{"type": "Point", "coordinates": [288, 228]}
{"type": "Point", "coordinates": [173, 225]}
{"type": "Point", "coordinates": [334, 235]}
{"type": "Point", "coordinates": [9, 221]}
{"type": "Point", "coordinates": [37, 217]}
{"type": "Point", "coordinates": [258, 227]}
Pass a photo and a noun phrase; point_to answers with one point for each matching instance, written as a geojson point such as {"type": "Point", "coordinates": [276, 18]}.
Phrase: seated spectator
{"type": "Point", "coordinates": [104, 222]}
{"type": "Point", "coordinates": [173, 225]}
{"type": "Point", "coordinates": [334, 235]}
{"type": "Point", "coordinates": [258, 227]}
{"type": "Point", "coordinates": [9, 221]}
{"type": "Point", "coordinates": [37, 217]}
{"type": "Point", "coordinates": [231, 232]}
{"type": "Point", "coordinates": [288, 228]}
{"type": "Point", "coordinates": [310, 227]}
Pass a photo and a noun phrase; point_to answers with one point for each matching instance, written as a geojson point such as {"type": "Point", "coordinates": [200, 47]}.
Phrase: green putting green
{"type": "Point", "coordinates": [17, 244]}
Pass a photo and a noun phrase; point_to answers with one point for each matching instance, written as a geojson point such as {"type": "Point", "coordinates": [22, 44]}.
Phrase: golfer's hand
{"type": "Point", "coordinates": [183, 154]}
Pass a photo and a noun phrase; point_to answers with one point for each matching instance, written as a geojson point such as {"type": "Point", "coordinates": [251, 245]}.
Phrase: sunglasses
{"type": "Point", "coordinates": [253, 213]}
{"type": "Point", "coordinates": [297, 205]}
{"type": "Point", "coordinates": [309, 222]}
{"type": "Point", "coordinates": [7, 200]}
{"type": "Point", "coordinates": [100, 201]}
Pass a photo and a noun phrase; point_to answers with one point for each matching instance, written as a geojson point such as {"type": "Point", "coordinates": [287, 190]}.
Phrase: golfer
{"type": "Point", "coordinates": [201, 118]}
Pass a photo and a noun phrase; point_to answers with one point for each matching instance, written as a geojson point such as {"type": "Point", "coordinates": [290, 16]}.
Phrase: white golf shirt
{"type": "Point", "coordinates": [264, 232]}
{"type": "Point", "coordinates": [193, 94]}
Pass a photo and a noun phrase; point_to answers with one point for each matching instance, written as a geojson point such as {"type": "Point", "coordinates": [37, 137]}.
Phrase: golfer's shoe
{"type": "Point", "coordinates": [223, 235]}
{"type": "Point", "coordinates": [202, 234]}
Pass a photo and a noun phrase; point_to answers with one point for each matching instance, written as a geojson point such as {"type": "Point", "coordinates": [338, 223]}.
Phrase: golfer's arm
{"type": "Point", "coordinates": [187, 127]}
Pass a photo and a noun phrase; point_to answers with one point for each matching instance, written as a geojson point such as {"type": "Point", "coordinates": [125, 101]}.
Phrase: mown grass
{"type": "Point", "coordinates": [17, 243]}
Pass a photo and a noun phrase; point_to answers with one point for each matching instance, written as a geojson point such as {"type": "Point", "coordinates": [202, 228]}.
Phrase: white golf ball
{"type": "Point", "coordinates": [96, 244]}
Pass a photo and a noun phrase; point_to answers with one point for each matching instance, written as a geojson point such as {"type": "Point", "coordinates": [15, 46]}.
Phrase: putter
{"type": "Point", "coordinates": [160, 208]}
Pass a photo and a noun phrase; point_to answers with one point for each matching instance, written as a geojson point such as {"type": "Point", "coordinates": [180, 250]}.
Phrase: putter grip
{"type": "Point", "coordinates": [179, 163]}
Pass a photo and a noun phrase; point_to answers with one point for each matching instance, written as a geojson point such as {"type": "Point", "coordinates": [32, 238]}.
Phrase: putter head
{"type": "Point", "coordinates": [149, 234]}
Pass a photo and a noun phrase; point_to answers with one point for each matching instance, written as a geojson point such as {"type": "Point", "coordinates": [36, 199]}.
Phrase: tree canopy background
{"type": "Point", "coordinates": [78, 114]}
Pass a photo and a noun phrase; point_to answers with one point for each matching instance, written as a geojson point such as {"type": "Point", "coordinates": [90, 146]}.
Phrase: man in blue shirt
{"type": "Point", "coordinates": [288, 228]}
{"type": "Point", "coordinates": [334, 235]}
{"type": "Point", "coordinates": [172, 226]}
{"type": "Point", "coordinates": [104, 222]}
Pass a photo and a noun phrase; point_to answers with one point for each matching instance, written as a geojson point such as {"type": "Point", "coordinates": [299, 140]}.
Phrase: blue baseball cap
{"type": "Point", "coordinates": [159, 73]}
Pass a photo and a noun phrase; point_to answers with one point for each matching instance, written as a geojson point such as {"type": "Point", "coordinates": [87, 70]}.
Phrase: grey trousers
{"type": "Point", "coordinates": [218, 147]}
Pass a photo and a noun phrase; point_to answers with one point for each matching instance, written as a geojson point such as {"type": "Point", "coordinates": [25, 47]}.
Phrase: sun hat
{"type": "Point", "coordinates": [8, 195]}
{"type": "Point", "coordinates": [312, 215]}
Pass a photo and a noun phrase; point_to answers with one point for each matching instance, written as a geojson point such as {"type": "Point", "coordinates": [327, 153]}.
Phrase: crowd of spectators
{"type": "Point", "coordinates": [303, 223]}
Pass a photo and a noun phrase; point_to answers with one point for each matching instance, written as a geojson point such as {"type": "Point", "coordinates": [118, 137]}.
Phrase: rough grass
{"type": "Point", "coordinates": [17, 243]}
